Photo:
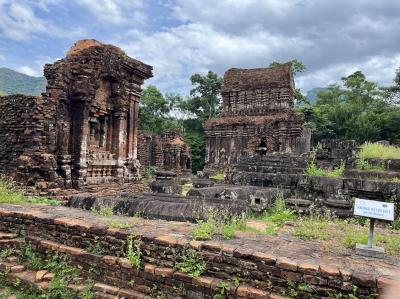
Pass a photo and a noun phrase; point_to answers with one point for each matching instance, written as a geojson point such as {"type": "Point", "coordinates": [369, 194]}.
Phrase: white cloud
{"type": "Point", "coordinates": [19, 21]}
{"type": "Point", "coordinates": [179, 52]}
{"type": "Point", "coordinates": [36, 68]}
{"type": "Point", "coordinates": [115, 11]}
{"type": "Point", "coordinates": [28, 71]}
{"type": "Point", "coordinates": [376, 68]}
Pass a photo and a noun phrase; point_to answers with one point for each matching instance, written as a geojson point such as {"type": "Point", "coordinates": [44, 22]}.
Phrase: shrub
{"type": "Point", "coordinates": [219, 177]}
{"type": "Point", "coordinates": [134, 253]}
{"type": "Point", "coordinates": [105, 212]}
{"type": "Point", "coordinates": [377, 150]}
{"type": "Point", "coordinates": [363, 164]}
{"type": "Point", "coordinates": [204, 230]}
{"type": "Point", "coordinates": [314, 170]}
{"type": "Point", "coordinates": [189, 262]}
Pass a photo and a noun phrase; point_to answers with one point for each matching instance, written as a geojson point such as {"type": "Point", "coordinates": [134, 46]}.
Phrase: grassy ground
{"type": "Point", "coordinates": [12, 194]}
{"type": "Point", "coordinates": [332, 233]}
{"type": "Point", "coordinates": [376, 150]}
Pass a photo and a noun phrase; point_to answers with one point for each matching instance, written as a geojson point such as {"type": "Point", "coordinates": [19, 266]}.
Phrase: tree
{"type": "Point", "coordinates": [154, 109]}
{"type": "Point", "coordinates": [297, 67]}
{"type": "Point", "coordinates": [393, 91]}
{"type": "Point", "coordinates": [205, 98]}
{"type": "Point", "coordinates": [359, 110]}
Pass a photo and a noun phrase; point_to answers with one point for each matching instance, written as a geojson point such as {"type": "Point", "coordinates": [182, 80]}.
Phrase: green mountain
{"type": "Point", "coordinates": [12, 82]}
{"type": "Point", "coordinates": [312, 94]}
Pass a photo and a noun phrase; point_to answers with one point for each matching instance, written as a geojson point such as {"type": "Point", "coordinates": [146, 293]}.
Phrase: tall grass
{"type": "Point", "coordinates": [314, 170]}
{"type": "Point", "coordinates": [377, 150]}
{"type": "Point", "coordinates": [12, 194]}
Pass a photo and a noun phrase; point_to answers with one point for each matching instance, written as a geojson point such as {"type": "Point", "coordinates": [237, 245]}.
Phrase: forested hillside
{"type": "Point", "coordinates": [12, 82]}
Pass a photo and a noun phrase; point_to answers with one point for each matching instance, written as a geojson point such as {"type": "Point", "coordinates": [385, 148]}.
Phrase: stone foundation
{"type": "Point", "coordinates": [262, 266]}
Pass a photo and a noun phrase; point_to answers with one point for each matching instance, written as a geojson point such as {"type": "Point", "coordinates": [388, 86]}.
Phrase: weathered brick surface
{"type": "Point", "coordinates": [83, 129]}
{"type": "Point", "coordinates": [258, 271]}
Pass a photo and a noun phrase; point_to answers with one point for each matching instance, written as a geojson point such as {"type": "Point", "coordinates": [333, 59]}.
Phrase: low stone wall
{"type": "Point", "coordinates": [160, 206]}
{"type": "Point", "coordinates": [247, 267]}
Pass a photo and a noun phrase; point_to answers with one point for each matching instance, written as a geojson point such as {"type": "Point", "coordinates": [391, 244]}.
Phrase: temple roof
{"type": "Point", "coordinates": [260, 78]}
{"type": "Point", "coordinates": [93, 48]}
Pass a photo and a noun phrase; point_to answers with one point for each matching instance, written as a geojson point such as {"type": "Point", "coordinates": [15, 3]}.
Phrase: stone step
{"type": "Point", "coordinates": [8, 236]}
{"type": "Point", "coordinates": [41, 280]}
{"type": "Point", "coordinates": [152, 272]}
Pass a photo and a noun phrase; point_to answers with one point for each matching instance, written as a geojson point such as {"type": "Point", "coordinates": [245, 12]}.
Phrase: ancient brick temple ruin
{"type": "Point", "coordinates": [167, 152]}
{"type": "Point", "coordinates": [257, 117]}
{"type": "Point", "coordinates": [83, 130]}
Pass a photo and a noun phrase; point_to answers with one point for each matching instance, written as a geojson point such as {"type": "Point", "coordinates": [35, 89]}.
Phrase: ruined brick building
{"type": "Point", "coordinates": [257, 117]}
{"type": "Point", "coordinates": [167, 152]}
{"type": "Point", "coordinates": [84, 128]}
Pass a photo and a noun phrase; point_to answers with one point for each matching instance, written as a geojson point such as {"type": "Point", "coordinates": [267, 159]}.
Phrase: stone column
{"type": "Point", "coordinates": [120, 141]}
{"type": "Point", "coordinates": [80, 122]}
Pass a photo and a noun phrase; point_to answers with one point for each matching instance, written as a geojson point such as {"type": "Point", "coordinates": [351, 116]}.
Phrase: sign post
{"type": "Point", "coordinates": [374, 210]}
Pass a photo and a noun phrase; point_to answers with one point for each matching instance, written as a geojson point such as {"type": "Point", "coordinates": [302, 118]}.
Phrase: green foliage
{"type": "Point", "coordinates": [6, 253]}
{"type": "Point", "coordinates": [314, 170]}
{"type": "Point", "coordinates": [12, 82]}
{"type": "Point", "coordinates": [189, 262]}
{"type": "Point", "coordinates": [297, 65]}
{"type": "Point", "coordinates": [276, 216]}
{"type": "Point", "coordinates": [12, 194]}
{"type": "Point", "coordinates": [104, 212]}
{"type": "Point", "coordinates": [359, 110]}
{"type": "Point", "coordinates": [205, 98]}
{"type": "Point", "coordinates": [219, 177]}
{"type": "Point", "coordinates": [87, 292]}
{"type": "Point", "coordinates": [377, 150]}
{"type": "Point", "coordinates": [204, 230]}
{"type": "Point", "coordinates": [154, 109]}
{"type": "Point", "coordinates": [312, 228]}
{"type": "Point", "coordinates": [34, 260]}
{"type": "Point", "coordinates": [119, 224]}
{"type": "Point", "coordinates": [2, 93]}
{"type": "Point", "coordinates": [134, 253]}
{"type": "Point", "coordinates": [195, 137]}
{"type": "Point", "coordinates": [96, 246]}
{"type": "Point", "coordinates": [223, 291]}
{"type": "Point", "coordinates": [363, 164]}
{"type": "Point", "coordinates": [150, 171]}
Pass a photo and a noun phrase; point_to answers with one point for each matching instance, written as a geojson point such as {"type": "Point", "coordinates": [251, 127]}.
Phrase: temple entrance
{"type": "Point", "coordinates": [262, 148]}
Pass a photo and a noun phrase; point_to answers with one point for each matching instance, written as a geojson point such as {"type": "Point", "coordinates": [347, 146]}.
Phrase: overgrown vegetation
{"type": "Point", "coordinates": [314, 170]}
{"type": "Point", "coordinates": [363, 164]}
{"type": "Point", "coordinates": [119, 223]}
{"type": "Point", "coordinates": [378, 150]}
{"type": "Point", "coordinates": [64, 275]}
{"type": "Point", "coordinates": [344, 233]}
{"type": "Point", "coordinates": [103, 212]}
{"type": "Point", "coordinates": [357, 109]}
{"type": "Point", "coordinates": [219, 223]}
{"type": "Point", "coordinates": [276, 216]}
{"type": "Point", "coordinates": [219, 177]}
{"type": "Point", "coordinates": [133, 252]}
{"type": "Point", "coordinates": [13, 194]}
{"type": "Point", "coordinates": [189, 262]}
{"type": "Point", "coordinates": [223, 291]}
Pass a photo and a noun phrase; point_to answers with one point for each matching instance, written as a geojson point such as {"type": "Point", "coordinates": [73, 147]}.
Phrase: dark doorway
{"type": "Point", "coordinates": [262, 148]}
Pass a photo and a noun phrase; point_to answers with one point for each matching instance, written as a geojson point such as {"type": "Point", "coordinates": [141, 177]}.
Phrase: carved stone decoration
{"type": "Point", "coordinates": [257, 117]}
{"type": "Point", "coordinates": [86, 123]}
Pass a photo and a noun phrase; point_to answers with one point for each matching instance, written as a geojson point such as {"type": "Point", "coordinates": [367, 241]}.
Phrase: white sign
{"type": "Point", "coordinates": [374, 209]}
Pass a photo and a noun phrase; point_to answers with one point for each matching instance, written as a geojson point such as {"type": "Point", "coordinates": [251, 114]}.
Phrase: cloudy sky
{"type": "Point", "coordinates": [182, 37]}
